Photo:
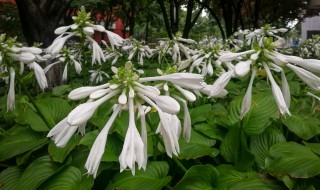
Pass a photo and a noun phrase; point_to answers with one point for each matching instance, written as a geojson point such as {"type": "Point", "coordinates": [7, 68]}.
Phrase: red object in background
{"type": "Point", "coordinates": [117, 27]}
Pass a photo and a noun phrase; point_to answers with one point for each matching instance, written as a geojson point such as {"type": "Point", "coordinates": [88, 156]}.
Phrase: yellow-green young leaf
{"type": "Point", "coordinates": [20, 142]}
{"type": "Point", "coordinates": [9, 178]}
{"type": "Point", "coordinates": [199, 178]}
{"type": "Point", "coordinates": [155, 178]}
{"type": "Point", "coordinates": [293, 159]}
{"type": "Point", "coordinates": [37, 172]}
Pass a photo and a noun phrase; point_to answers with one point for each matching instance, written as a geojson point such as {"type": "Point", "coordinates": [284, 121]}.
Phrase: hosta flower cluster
{"type": "Point", "coordinates": [186, 70]}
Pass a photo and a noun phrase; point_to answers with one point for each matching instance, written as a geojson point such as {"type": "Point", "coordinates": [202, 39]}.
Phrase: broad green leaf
{"type": "Point", "coordinates": [200, 113]}
{"type": "Point", "coordinates": [154, 177]}
{"type": "Point", "coordinates": [113, 145]}
{"type": "Point", "coordinates": [315, 147]}
{"type": "Point", "coordinates": [102, 115]}
{"type": "Point", "coordinates": [9, 178]}
{"type": "Point", "coordinates": [210, 130]}
{"type": "Point", "coordinates": [61, 90]}
{"type": "Point", "coordinates": [198, 146]}
{"type": "Point", "coordinates": [199, 178]}
{"type": "Point", "coordinates": [37, 172]}
{"type": "Point", "coordinates": [229, 178]}
{"type": "Point", "coordinates": [234, 149]}
{"type": "Point", "coordinates": [263, 110]}
{"type": "Point", "coordinates": [19, 142]}
{"type": "Point", "coordinates": [67, 179]}
{"type": "Point", "coordinates": [59, 154]}
{"type": "Point", "coordinates": [304, 127]}
{"type": "Point", "coordinates": [53, 109]}
{"type": "Point", "coordinates": [260, 144]}
{"type": "Point", "coordinates": [293, 159]}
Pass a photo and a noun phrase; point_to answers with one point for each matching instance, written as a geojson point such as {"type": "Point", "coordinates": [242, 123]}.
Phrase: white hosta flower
{"type": "Point", "coordinates": [62, 132]}
{"type": "Point", "coordinates": [33, 50]}
{"type": "Point", "coordinates": [88, 31]}
{"type": "Point", "coordinates": [11, 94]}
{"type": "Point", "coordinates": [84, 92]}
{"type": "Point", "coordinates": [144, 133]}
{"type": "Point", "coordinates": [169, 127]}
{"type": "Point", "coordinates": [186, 119]}
{"type": "Point", "coordinates": [312, 65]}
{"type": "Point", "coordinates": [98, 147]}
{"type": "Point", "coordinates": [186, 80]}
{"type": "Point", "coordinates": [83, 112]}
{"type": "Point", "coordinates": [114, 39]}
{"type": "Point", "coordinates": [58, 44]}
{"type": "Point", "coordinates": [310, 79]}
{"type": "Point", "coordinates": [230, 56]}
{"type": "Point", "coordinates": [277, 94]}
{"type": "Point", "coordinates": [246, 102]}
{"type": "Point", "coordinates": [133, 146]}
{"type": "Point", "coordinates": [207, 90]}
{"type": "Point", "coordinates": [97, 53]}
{"type": "Point", "coordinates": [242, 68]}
{"type": "Point", "coordinates": [220, 83]}
{"type": "Point", "coordinates": [40, 75]}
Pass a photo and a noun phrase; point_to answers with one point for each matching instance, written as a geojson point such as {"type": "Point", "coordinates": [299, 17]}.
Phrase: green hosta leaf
{"type": "Point", "coordinates": [304, 127]}
{"type": "Point", "coordinates": [199, 178]}
{"type": "Point", "coordinates": [67, 179]}
{"type": "Point", "coordinates": [59, 154]}
{"type": "Point", "coordinates": [315, 147]}
{"type": "Point", "coordinates": [200, 113]}
{"type": "Point", "coordinates": [61, 90]}
{"type": "Point", "coordinates": [53, 109]}
{"type": "Point", "coordinates": [198, 146]}
{"type": "Point", "coordinates": [234, 149]}
{"type": "Point", "coordinates": [260, 144]}
{"type": "Point", "coordinates": [155, 177]}
{"type": "Point", "coordinates": [113, 145]}
{"type": "Point", "coordinates": [263, 109]}
{"type": "Point", "coordinates": [293, 159]}
{"type": "Point", "coordinates": [9, 178]}
{"type": "Point", "coordinates": [101, 116]}
{"type": "Point", "coordinates": [37, 172]}
{"type": "Point", "coordinates": [212, 131]}
{"type": "Point", "coordinates": [19, 142]}
{"type": "Point", "coordinates": [229, 178]}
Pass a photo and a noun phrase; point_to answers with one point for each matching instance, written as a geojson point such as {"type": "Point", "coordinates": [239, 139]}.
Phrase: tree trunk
{"type": "Point", "coordinates": [165, 18]}
{"type": "Point", "coordinates": [39, 19]}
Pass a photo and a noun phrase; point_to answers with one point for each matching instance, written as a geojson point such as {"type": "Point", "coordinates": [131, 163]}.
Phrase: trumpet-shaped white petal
{"type": "Point", "coordinates": [62, 29]}
{"type": "Point", "coordinates": [312, 65]}
{"type": "Point", "coordinates": [220, 83]}
{"type": "Point", "coordinates": [277, 94]}
{"type": "Point", "coordinates": [84, 92]}
{"type": "Point", "coordinates": [114, 39]}
{"type": "Point", "coordinates": [166, 103]}
{"type": "Point", "coordinates": [186, 80]}
{"type": "Point", "coordinates": [169, 127]}
{"type": "Point", "coordinates": [144, 134]}
{"type": "Point", "coordinates": [40, 75]}
{"type": "Point", "coordinates": [33, 50]}
{"type": "Point", "coordinates": [187, 94]}
{"type": "Point", "coordinates": [62, 132]}
{"type": "Point", "coordinates": [230, 56]}
{"type": "Point", "coordinates": [11, 94]}
{"type": "Point", "coordinates": [310, 79]}
{"type": "Point", "coordinates": [83, 112]}
{"type": "Point", "coordinates": [186, 119]}
{"type": "Point", "coordinates": [242, 68]}
{"type": "Point", "coordinates": [133, 147]}
{"type": "Point", "coordinates": [246, 102]}
{"type": "Point", "coordinates": [98, 147]}
{"type": "Point", "coordinates": [88, 31]}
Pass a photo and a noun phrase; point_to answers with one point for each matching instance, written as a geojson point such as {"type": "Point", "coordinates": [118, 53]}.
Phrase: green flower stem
{"type": "Point", "coordinates": [36, 107]}
{"type": "Point", "coordinates": [161, 142]}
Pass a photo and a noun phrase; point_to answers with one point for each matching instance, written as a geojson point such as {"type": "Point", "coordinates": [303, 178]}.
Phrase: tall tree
{"type": "Point", "coordinates": [39, 19]}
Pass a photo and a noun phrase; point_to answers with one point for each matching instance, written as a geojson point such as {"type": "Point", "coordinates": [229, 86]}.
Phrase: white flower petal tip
{"type": "Point", "coordinates": [242, 68]}
{"type": "Point", "coordinates": [167, 104]}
